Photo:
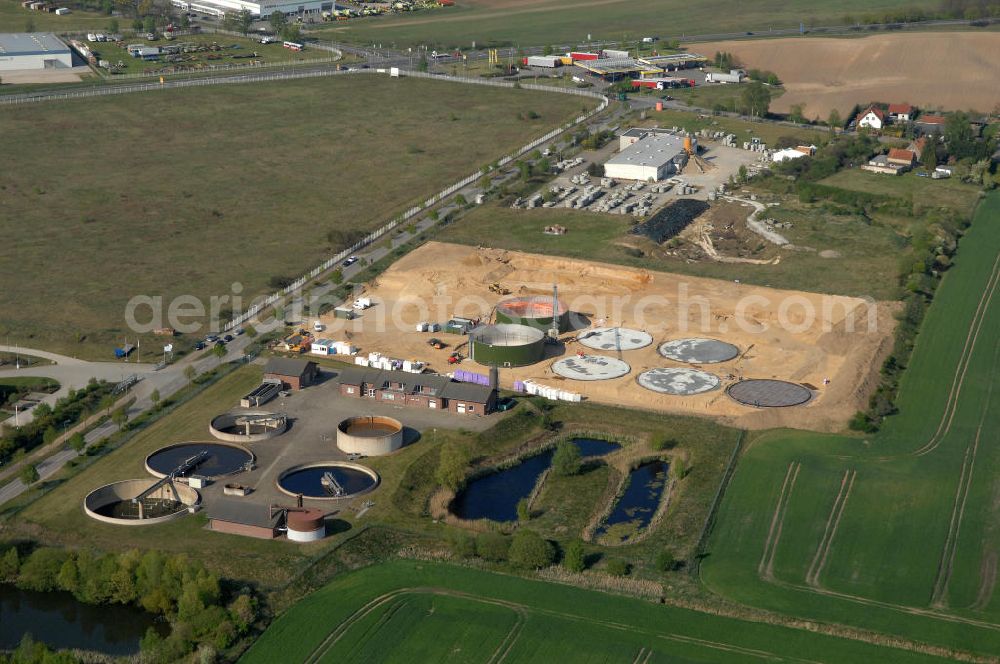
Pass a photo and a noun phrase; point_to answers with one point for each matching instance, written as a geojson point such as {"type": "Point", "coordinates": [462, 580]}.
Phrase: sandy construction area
{"type": "Point", "coordinates": [945, 70]}
{"type": "Point", "coordinates": [72, 75]}
{"type": "Point", "coordinates": [788, 335]}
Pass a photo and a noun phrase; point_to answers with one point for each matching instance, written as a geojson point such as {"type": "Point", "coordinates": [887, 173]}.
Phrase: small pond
{"type": "Point", "coordinates": [495, 496]}
{"type": "Point", "coordinates": [59, 621]}
{"type": "Point", "coordinates": [636, 507]}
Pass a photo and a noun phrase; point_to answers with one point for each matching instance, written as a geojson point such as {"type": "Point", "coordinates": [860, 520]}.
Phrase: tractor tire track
{"type": "Point", "coordinates": [975, 326]}
{"type": "Point", "coordinates": [766, 566]}
{"type": "Point", "coordinates": [832, 523]}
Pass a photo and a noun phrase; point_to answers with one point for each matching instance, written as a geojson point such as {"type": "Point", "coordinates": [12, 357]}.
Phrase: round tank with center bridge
{"type": "Point", "coordinates": [140, 502]}
{"type": "Point", "coordinates": [248, 425]}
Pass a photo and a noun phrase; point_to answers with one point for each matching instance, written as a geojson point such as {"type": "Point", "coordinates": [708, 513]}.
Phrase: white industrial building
{"type": "Point", "coordinates": [38, 50]}
{"type": "Point", "coordinates": [261, 8]}
{"type": "Point", "coordinates": [649, 158]}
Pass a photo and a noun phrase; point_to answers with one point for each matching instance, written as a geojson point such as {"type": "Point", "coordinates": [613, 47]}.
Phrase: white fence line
{"type": "Point", "coordinates": [436, 198]}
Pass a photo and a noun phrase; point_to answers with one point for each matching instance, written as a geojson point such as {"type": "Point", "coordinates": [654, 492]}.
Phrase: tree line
{"type": "Point", "coordinates": [201, 615]}
{"type": "Point", "coordinates": [49, 421]}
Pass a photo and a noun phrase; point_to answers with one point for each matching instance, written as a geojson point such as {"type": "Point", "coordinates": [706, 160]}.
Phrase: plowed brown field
{"type": "Point", "coordinates": [945, 70]}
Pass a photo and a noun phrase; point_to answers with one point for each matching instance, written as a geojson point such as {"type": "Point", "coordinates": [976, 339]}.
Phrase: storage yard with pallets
{"type": "Point", "coordinates": [192, 53]}
{"type": "Point", "coordinates": [191, 214]}
{"type": "Point", "coordinates": [927, 69]}
{"type": "Point", "coordinates": [439, 281]}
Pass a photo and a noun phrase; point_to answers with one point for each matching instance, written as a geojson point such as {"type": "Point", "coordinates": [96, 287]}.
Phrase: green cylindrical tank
{"type": "Point", "coordinates": [507, 345]}
{"type": "Point", "coordinates": [534, 311]}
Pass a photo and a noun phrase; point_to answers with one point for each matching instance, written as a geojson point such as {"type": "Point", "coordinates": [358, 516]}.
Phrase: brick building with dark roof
{"type": "Point", "coordinates": [432, 391]}
{"type": "Point", "coordinates": [295, 374]}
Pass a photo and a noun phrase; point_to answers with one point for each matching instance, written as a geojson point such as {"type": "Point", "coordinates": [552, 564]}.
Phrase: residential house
{"type": "Point", "coordinates": [906, 158]}
{"type": "Point", "coordinates": [930, 124]}
{"type": "Point", "coordinates": [917, 146]}
{"type": "Point", "coordinates": [901, 112]}
{"type": "Point", "coordinates": [871, 118]}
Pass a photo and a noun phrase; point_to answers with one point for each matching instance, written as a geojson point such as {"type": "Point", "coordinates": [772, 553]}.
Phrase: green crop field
{"type": "Point", "coordinates": [406, 611]}
{"type": "Point", "coordinates": [189, 191]}
{"type": "Point", "coordinates": [899, 531]}
{"type": "Point", "coordinates": [557, 22]}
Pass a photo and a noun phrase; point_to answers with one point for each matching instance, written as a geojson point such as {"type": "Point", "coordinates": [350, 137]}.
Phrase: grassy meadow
{"type": "Point", "coordinates": [192, 190]}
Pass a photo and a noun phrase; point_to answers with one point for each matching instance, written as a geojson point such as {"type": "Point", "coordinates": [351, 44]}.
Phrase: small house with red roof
{"type": "Point", "coordinates": [901, 112]}
{"type": "Point", "coordinates": [902, 157]}
{"type": "Point", "coordinates": [871, 118]}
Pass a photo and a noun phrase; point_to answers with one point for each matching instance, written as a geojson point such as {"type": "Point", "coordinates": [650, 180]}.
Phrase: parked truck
{"type": "Point", "coordinates": [734, 76]}
{"type": "Point", "coordinates": [547, 61]}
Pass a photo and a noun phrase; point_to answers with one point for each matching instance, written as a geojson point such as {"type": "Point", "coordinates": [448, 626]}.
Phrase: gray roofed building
{"type": "Point", "coordinates": [292, 372]}
{"type": "Point", "coordinates": [241, 518]}
{"type": "Point", "coordinates": [421, 390]}
{"type": "Point", "coordinates": [37, 50]}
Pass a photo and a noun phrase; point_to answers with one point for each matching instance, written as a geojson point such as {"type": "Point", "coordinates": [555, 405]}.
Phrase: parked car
{"type": "Point", "coordinates": [211, 339]}
{"type": "Point", "coordinates": [350, 261]}
{"type": "Point", "coordinates": [227, 338]}
{"type": "Point", "coordinates": [200, 345]}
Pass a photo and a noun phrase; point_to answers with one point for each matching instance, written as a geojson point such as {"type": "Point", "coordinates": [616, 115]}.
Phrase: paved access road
{"type": "Point", "coordinates": [74, 373]}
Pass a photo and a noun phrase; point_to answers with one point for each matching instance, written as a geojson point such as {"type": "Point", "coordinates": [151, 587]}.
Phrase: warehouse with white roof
{"type": "Point", "coordinates": [37, 50]}
{"type": "Point", "coordinates": [654, 157]}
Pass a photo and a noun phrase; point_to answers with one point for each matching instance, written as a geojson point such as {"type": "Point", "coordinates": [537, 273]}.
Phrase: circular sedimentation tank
{"type": "Point", "coordinates": [370, 435]}
{"type": "Point", "coordinates": [247, 426]}
{"type": "Point", "coordinates": [698, 350]}
{"type": "Point", "coordinates": [591, 367]}
{"type": "Point", "coordinates": [769, 393]}
{"type": "Point", "coordinates": [216, 459]}
{"type": "Point", "coordinates": [333, 480]}
{"type": "Point", "coordinates": [507, 345]}
{"type": "Point", "coordinates": [615, 338]}
{"type": "Point", "coordinates": [306, 525]}
{"type": "Point", "coordinates": [680, 382]}
{"type": "Point", "coordinates": [112, 503]}
{"type": "Point", "coordinates": [534, 311]}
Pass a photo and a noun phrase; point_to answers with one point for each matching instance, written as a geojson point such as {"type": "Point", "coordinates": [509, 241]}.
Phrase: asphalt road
{"type": "Point", "coordinates": [77, 372]}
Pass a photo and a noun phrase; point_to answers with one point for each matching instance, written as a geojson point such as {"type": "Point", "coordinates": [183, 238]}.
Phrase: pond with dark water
{"type": "Point", "coordinates": [495, 496]}
{"type": "Point", "coordinates": [61, 622]}
{"type": "Point", "coordinates": [635, 509]}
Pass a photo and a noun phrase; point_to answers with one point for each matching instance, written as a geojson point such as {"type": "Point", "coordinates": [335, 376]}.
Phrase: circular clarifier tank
{"type": "Point", "coordinates": [615, 338]}
{"type": "Point", "coordinates": [678, 381]}
{"type": "Point", "coordinates": [247, 426]}
{"type": "Point", "coordinates": [214, 459]}
{"type": "Point", "coordinates": [698, 350]}
{"type": "Point", "coordinates": [119, 502]}
{"type": "Point", "coordinates": [328, 481]}
{"type": "Point", "coordinates": [370, 435]}
{"type": "Point", "coordinates": [591, 367]}
{"type": "Point", "coordinates": [769, 393]}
